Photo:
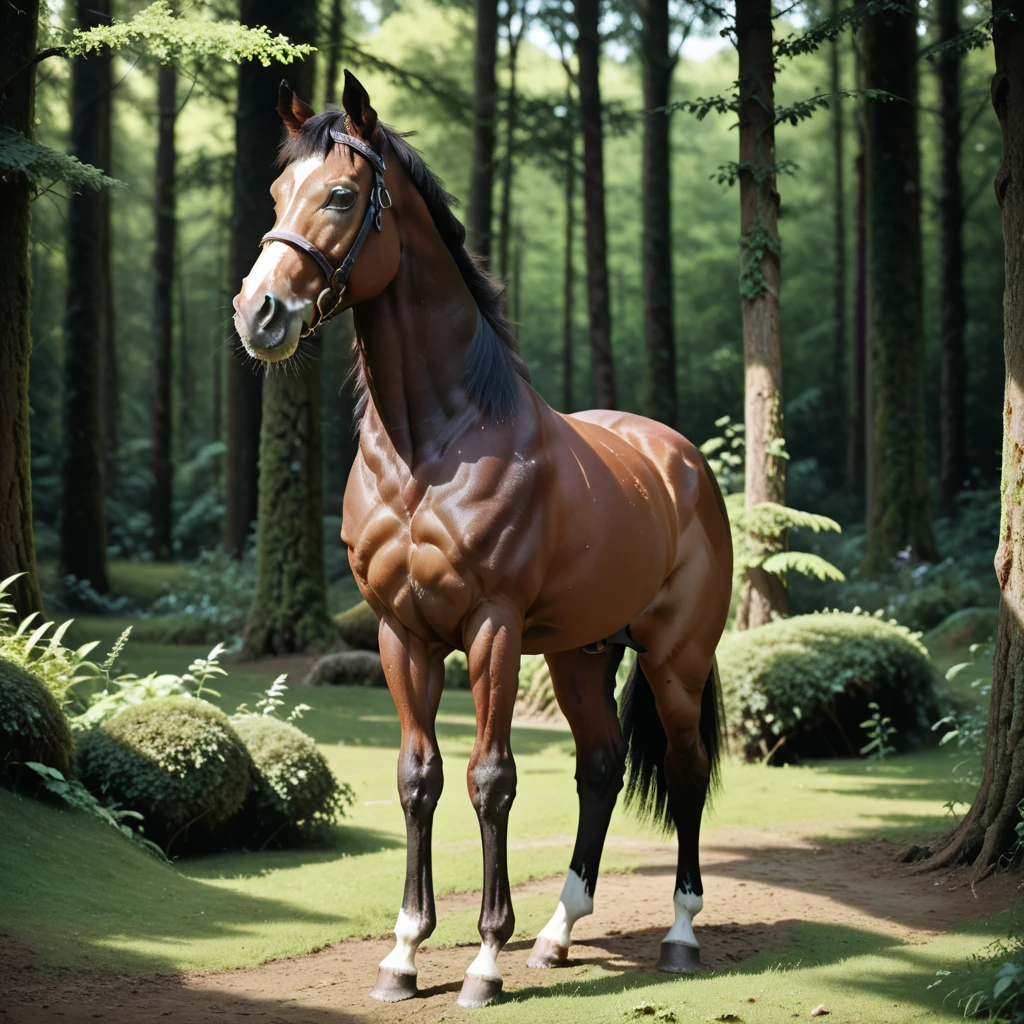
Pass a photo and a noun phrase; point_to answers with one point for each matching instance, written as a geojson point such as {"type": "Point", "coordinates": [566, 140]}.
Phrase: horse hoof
{"type": "Point", "coordinates": [393, 987]}
{"type": "Point", "coordinates": [679, 958]}
{"type": "Point", "coordinates": [477, 991]}
{"type": "Point", "coordinates": [547, 953]}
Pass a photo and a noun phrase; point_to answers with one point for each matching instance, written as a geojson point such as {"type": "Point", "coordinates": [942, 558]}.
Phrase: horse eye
{"type": "Point", "coordinates": [340, 199]}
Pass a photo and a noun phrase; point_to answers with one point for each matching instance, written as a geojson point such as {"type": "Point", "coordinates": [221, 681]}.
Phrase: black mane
{"type": "Point", "coordinates": [494, 360]}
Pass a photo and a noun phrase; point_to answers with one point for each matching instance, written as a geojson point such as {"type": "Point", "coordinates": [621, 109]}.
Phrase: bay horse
{"type": "Point", "coordinates": [477, 518]}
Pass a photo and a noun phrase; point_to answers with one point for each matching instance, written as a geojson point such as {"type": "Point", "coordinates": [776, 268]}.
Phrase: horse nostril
{"type": "Point", "coordinates": [267, 311]}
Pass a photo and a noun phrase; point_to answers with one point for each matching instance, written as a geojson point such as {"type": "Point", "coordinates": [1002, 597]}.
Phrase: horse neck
{"type": "Point", "coordinates": [415, 339]}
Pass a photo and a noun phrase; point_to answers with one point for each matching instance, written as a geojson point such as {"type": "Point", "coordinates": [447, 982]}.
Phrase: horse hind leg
{"type": "Point", "coordinates": [584, 685]}
{"type": "Point", "coordinates": [671, 725]}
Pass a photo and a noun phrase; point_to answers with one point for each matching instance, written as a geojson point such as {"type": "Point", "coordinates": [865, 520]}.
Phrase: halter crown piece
{"type": "Point", "coordinates": [337, 280]}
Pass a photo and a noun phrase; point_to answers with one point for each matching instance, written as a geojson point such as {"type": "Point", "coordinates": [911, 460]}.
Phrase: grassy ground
{"type": "Point", "coordinates": [82, 897]}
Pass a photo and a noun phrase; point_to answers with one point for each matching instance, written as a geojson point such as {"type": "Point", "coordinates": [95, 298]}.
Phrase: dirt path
{"type": "Point", "coordinates": [757, 887]}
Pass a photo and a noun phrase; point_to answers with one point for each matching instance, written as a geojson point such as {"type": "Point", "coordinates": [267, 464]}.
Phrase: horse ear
{"type": "Point", "coordinates": [361, 116]}
{"type": "Point", "coordinates": [294, 112]}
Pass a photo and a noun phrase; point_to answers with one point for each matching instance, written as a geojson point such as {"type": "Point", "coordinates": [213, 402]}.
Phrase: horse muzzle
{"type": "Point", "coordinates": [272, 330]}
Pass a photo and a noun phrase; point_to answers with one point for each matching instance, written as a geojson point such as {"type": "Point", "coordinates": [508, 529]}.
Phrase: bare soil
{"type": "Point", "coordinates": [757, 887]}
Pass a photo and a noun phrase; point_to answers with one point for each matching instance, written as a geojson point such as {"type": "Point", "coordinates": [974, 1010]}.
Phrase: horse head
{"type": "Point", "coordinates": [329, 202]}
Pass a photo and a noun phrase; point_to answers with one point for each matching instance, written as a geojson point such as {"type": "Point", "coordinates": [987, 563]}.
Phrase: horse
{"type": "Point", "coordinates": [477, 518]}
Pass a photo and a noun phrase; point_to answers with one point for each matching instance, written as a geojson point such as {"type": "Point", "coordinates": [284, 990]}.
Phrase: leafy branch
{"type": "Point", "coordinates": [977, 37]}
{"type": "Point", "coordinates": [760, 170]}
{"type": "Point", "coordinates": [800, 43]}
{"type": "Point", "coordinates": [803, 109]}
{"type": "Point", "coordinates": [162, 35]}
{"type": "Point", "coordinates": [702, 106]}
{"type": "Point", "coordinates": [43, 165]}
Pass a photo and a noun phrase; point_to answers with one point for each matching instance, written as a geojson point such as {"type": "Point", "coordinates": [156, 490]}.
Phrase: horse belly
{"type": "Point", "coordinates": [610, 565]}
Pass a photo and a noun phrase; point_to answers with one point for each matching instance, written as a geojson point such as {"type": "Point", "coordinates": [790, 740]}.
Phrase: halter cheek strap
{"type": "Point", "coordinates": [337, 279]}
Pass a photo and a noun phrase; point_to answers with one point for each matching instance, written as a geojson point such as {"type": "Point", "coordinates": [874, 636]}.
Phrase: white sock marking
{"type": "Point", "coordinates": [408, 934]}
{"type": "Point", "coordinates": [574, 903]}
{"type": "Point", "coordinates": [486, 963]}
{"type": "Point", "coordinates": [687, 907]}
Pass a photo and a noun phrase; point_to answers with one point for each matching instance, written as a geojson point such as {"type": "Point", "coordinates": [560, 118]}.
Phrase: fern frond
{"type": "Point", "coordinates": [804, 563]}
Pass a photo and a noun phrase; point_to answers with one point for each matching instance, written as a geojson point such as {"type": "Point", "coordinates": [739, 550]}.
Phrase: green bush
{"type": "Point", "coordinates": [358, 627]}
{"type": "Point", "coordinates": [176, 760]}
{"type": "Point", "coordinates": [801, 686]}
{"type": "Point", "coordinates": [963, 628]}
{"type": "Point", "coordinates": [294, 789]}
{"type": "Point", "coordinates": [32, 726]}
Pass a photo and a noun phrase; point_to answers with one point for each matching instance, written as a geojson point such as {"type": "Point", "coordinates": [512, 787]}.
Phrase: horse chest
{"type": "Point", "coordinates": [432, 560]}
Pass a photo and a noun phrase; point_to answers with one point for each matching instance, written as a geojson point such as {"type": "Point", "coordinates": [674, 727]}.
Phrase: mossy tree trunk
{"type": "Point", "coordinates": [485, 101]}
{"type": "Point", "coordinates": [83, 527]}
{"type": "Point", "coordinates": [987, 833]}
{"type": "Point", "coordinates": [657, 63]}
{"type": "Point", "coordinates": [19, 29]}
{"type": "Point", "coordinates": [899, 516]}
{"type": "Point", "coordinates": [588, 54]}
{"type": "Point", "coordinates": [289, 609]}
{"type": "Point", "coordinates": [764, 595]}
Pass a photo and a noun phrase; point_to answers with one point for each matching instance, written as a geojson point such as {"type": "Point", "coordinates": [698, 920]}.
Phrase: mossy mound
{"type": "Point", "coordinates": [801, 686]}
{"type": "Point", "coordinates": [294, 789]}
{"type": "Point", "coordinates": [358, 627]}
{"type": "Point", "coordinates": [176, 760]}
{"type": "Point", "coordinates": [961, 629]}
{"type": "Point", "coordinates": [32, 727]}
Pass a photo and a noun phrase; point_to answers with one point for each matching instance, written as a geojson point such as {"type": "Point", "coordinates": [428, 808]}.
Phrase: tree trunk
{"type": "Point", "coordinates": [836, 391]}
{"type": "Point", "coordinates": [511, 114]}
{"type": "Point", "coordinates": [588, 53]}
{"type": "Point", "coordinates": [257, 135]}
{"type": "Point", "coordinates": [986, 833]}
{"type": "Point", "coordinates": [569, 278]}
{"type": "Point", "coordinates": [485, 98]}
{"type": "Point", "coordinates": [657, 64]}
{"type": "Point", "coordinates": [898, 516]}
{"type": "Point", "coordinates": [186, 376]}
{"type": "Point", "coordinates": [111, 362]}
{"type": "Point", "coordinates": [953, 469]}
{"type": "Point", "coordinates": [856, 439]}
{"type": "Point", "coordinates": [764, 595]}
{"type": "Point", "coordinates": [19, 28]}
{"type": "Point", "coordinates": [163, 264]}
{"type": "Point", "coordinates": [289, 609]}
{"type": "Point", "coordinates": [83, 527]}
{"type": "Point", "coordinates": [335, 32]}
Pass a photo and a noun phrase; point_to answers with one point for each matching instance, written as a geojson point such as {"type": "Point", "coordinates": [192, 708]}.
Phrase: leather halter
{"type": "Point", "coordinates": [337, 279]}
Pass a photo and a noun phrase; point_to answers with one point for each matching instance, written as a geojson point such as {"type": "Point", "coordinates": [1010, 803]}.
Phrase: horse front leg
{"type": "Point", "coordinates": [493, 641]}
{"type": "Point", "coordinates": [415, 675]}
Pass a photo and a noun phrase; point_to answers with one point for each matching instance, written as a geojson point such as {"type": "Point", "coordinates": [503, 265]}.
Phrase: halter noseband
{"type": "Point", "coordinates": [337, 280]}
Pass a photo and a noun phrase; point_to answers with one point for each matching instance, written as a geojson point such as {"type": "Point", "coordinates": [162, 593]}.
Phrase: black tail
{"type": "Point", "coordinates": [646, 789]}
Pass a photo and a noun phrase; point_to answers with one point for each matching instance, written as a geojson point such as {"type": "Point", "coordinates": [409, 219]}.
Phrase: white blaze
{"type": "Point", "coordinates": [270, 256]}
